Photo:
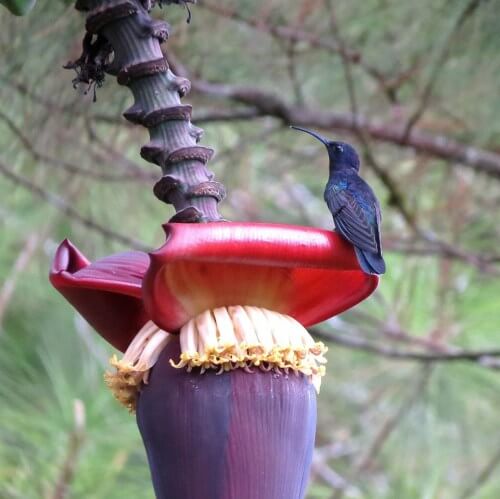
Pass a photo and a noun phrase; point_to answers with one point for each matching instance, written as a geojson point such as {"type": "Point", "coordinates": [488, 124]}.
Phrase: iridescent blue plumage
{"type": "Point", "coordinates": [354, 207]}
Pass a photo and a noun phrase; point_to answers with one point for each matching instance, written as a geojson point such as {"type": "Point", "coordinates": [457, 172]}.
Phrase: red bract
{"type": "Point", "coordinates": [107, 292]}
{"type": "Point", "coordinates": [310, 274]}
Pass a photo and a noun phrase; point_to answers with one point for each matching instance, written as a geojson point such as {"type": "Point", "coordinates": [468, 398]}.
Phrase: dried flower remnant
{"type": "Point", "coordinates": [90, 67]}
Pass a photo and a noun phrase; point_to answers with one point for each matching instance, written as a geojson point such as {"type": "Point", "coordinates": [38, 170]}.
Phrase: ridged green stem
{"type": "Point", "coordinates": [186, 181]}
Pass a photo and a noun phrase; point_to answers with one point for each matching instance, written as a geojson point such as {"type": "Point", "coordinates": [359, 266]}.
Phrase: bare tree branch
{"type": "Point", "coordinates": [485, 357]}
{"type": "Point", "coordinates": [481, 261]}
{"type": "Point", "coordinates": [270, 104]}
{"type": "Point", "coordinates": [199, 116]}
{"type": "Point", "coordinates": [226, 115]}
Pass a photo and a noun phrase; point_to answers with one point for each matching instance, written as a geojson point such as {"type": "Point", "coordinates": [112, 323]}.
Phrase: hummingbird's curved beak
{"type": "Point", "coordinates": [310, 132]}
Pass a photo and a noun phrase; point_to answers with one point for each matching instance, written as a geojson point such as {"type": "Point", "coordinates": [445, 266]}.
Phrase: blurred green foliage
{"type": "Point", "coordinates": [18, 7]}
{"type": "Point", "coordinates": [396, 429]}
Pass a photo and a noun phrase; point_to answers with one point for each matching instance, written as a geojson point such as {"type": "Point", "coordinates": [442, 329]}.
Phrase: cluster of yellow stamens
{"type": "Point", "coordinates": [222, 339]}
{"type": "Point", "coordinates": [243, 337]}
{"type": "Point", "coordinates": [133, 369]}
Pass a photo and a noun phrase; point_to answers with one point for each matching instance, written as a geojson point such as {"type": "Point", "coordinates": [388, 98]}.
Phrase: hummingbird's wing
{"type": "Point", "coordinates": [352, 221]}
{"type": "Point", "coordinates": [378, 221]}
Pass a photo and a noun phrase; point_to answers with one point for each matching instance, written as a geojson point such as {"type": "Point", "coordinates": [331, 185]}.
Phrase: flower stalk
{"type": "Point", "coordinates": [123, 40]}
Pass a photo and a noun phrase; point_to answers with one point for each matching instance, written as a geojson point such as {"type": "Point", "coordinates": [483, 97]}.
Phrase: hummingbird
{"type": "Point", "coordinates": [354, 206]}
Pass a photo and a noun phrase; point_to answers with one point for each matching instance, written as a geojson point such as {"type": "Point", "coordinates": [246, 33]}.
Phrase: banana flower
{"type": "Point", "coordinates": [218, 364]}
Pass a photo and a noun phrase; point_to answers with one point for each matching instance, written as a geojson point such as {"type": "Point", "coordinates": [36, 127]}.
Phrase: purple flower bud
{"type": "Point", "coordinates": [236, 435]}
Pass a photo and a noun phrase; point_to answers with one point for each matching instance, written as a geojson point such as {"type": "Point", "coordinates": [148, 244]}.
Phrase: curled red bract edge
{"type": "Point", "coordinates": [107, 292]}
{"type": "Point", "coordinates": [310, 274]}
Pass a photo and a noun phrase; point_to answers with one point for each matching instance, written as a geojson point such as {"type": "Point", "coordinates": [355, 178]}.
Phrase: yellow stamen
{"type": "Point", "coordinates": [133, 370]}
{"type": "Point", "coordinates": [241, 337]}
{"type": "Point", "coordinates": [223, 339]}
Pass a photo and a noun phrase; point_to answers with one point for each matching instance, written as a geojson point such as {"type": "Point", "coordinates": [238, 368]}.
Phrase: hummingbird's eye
{"type": "Point", "coordinates": [339, 148]}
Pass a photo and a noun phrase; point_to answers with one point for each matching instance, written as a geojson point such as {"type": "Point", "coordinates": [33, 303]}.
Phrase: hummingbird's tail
{"type": "Point", "coordinates": [371, 263]}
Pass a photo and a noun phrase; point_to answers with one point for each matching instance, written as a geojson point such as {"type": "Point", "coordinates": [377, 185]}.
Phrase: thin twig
{"type": "Point", "coordinates": [326, 474]}
{"type": "Point", "coordinates": [55, 162]}
{"type": "Point", "coordinates": [291, 65]}
{"type": "Point", "coordinates": [293, 34]}
{"type": "Point", "coordinates": [396, 197]}
{"type": "Point", "coordinates": [68, 210]}
{"type": "Point", "coordinates": [366, 460]}
{"type": "Point", "coordinates": [75, 443]}
{"type": "Point", "coordinates": [226, 115]}
{"type": "Point", "coordinates": [443, 54]}
{"type": "Point", "coordinates": [108, 154]}
{"type": "Point", "coordinates": [288, 33]}
{"type": "Point", "coordinates": [484, 357]}
{"type": "Point", "coordinates": [389, 425]}
{"type": "Point", "coordinates": [483, 476]}
{"type": "Point", "coordinates": [410, 247]}
{"type": "Point", "coordinates": [22, 261]}
{"type": "Point", "coordinates": [70, 109]}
